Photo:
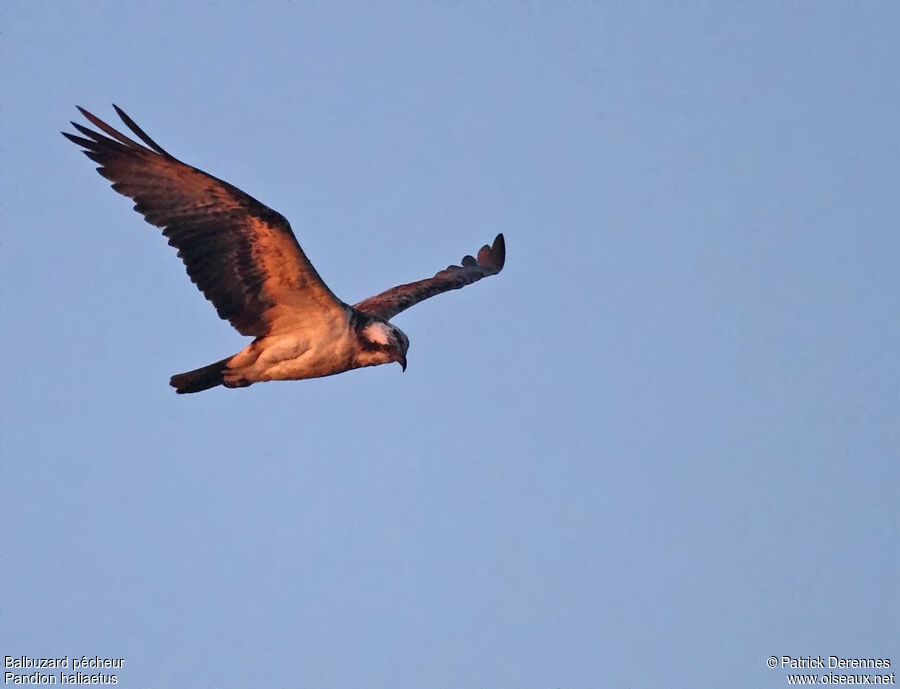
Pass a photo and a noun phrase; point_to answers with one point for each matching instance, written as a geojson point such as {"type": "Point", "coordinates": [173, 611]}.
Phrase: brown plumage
{"type": "Point", "coordinates": [391, 302]}
{"type": "Point", "coordinates": [246, 260]}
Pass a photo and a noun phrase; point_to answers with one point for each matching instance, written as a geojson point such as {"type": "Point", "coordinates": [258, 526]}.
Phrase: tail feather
{"type": "Point", "coordinates": [200, 379]}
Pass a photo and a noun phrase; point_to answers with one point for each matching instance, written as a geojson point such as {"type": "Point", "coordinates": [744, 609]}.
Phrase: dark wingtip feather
{"type": "Point", "coordinates": [105, 128]}
{"type": "Point", "coordinates": [499, 249]}
{"type": "Point", "coordinates": [493, 256]}
{"type": "Point", "coordinates": [84, 143]}
{"type": "Point", "coordinates": [132, 125]}
{"type": "Point", "coordinates": [88, 132]}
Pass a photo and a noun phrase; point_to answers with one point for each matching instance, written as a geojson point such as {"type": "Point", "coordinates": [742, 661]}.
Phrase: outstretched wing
{"type": "Point", "coordinates": [388, 304]}
{"type": "Point", "coordinates": [240, 253]}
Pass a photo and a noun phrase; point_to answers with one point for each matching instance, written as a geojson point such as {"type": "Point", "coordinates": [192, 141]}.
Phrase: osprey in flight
{"type": "Point", "coordinates": [245, 259]}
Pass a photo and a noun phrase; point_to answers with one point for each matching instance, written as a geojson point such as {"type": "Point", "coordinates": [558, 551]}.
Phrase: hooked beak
{"type": "Point", "coordinates": [402, 362]}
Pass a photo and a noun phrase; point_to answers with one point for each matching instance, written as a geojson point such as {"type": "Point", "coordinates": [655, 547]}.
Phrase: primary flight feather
{"type": "Point", "coordinates": [246, 260]}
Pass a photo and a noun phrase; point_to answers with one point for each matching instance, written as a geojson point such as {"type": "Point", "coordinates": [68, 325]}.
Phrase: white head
{"type": "Point", "coordinates": [381, 343]}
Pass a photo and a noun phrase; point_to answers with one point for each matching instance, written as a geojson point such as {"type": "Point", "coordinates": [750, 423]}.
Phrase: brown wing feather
{"type": "Point", "coordinates": [388, 304]}
{"type": "Point", "coordinates": [240, 253]}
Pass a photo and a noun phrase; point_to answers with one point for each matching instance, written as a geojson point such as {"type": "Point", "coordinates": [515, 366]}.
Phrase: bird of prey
{"type": "Point", "coordinates": [246, 260]}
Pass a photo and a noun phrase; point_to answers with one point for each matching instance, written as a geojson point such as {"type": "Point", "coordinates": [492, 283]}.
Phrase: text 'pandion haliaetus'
{"type": "Point", "coordinates": [245, 259]}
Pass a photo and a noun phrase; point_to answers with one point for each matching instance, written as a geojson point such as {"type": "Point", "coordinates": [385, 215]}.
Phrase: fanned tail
{"type": "Point", "coordinates": [200, 379]}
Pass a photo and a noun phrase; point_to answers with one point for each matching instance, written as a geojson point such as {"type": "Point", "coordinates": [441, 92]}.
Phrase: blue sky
{"type": "Point", "coordinates": [660, 447]}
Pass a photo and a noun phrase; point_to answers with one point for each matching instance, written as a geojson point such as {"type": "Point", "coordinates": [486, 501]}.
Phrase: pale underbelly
{"type": "Point", "coordinates": [288, 358]}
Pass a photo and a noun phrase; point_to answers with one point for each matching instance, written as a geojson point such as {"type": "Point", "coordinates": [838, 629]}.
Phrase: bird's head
{"type": "Point", "coordinates": [380, 343]}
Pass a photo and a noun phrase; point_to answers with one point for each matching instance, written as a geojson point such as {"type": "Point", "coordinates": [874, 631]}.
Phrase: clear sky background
{"type": "Point", "coordinates": [660, 447]}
